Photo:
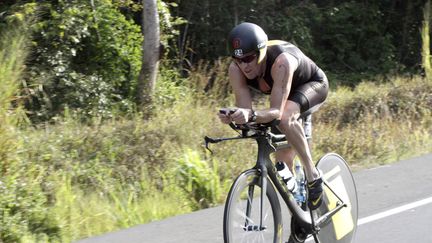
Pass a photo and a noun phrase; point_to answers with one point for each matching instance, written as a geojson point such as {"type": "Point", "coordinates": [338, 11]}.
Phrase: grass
{"type": "Point", "coordinates": [68, 180]}
{"type": "Point", "coordinates": [127, 171]}
{"type": "Point", "coordinates": [109, 175]}
{"type": "Point", "coordinates": [82, 214]}
{"type": "Point", "coordinates": [375, 124]}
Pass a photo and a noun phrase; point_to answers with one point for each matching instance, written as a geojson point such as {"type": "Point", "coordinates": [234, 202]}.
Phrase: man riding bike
{"type": "Point", "coordinates": [293, 81]}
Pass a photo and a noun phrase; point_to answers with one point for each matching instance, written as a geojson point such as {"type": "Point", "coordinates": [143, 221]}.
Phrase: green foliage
{"type": "Point", "coordinates": [23, 206]}
{"type": "Point", "coordinates": [170, 88]}
{"type": "Point", "coordinates": [361, 44]}
{"type": "Point", "coordinates": [200, 181]}
{"type": "Point", "coordinates": [351, 40]}
{"type": "Point", "coordinates": [116, 205]}
{"type": "Point", "coordinates": [365, 124]}
{"type": "Point", "coordinates": [69, 179]}
{"type": "Point", "coordinates": [22, 199]}
{"type": "Point", "coordinates": [404, 98]}
{"type": "Point", "coordinates": [168, 25]}
{"type": "Point", "coordinates": [84, 57]}
{"type": "Point", "coordinates": [109, 174]}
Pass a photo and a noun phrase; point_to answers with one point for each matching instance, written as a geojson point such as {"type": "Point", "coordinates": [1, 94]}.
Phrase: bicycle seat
{"type": "Point", "coordinates": [309, 112]}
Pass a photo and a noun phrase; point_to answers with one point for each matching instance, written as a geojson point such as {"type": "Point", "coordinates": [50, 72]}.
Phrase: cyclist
{"type": "Point", "coordinates": [293, 81]}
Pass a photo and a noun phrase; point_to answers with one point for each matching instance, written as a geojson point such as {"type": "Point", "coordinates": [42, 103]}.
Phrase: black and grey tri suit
{"type": "Point", "coordinates": [309, 84]}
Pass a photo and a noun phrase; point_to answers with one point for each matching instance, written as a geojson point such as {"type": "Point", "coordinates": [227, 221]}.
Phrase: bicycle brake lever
{"type": "Point", "coordinates": [210, 140]}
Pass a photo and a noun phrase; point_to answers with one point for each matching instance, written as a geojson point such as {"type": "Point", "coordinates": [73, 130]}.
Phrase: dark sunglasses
{"type": "Point", "coordinates": [247, 59]}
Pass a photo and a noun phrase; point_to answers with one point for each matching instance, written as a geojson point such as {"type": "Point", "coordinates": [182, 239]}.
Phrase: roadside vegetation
{"type": "Point", "coordinates": [72, 179]}
{"type": "Point", "coordinates": [77, 170]}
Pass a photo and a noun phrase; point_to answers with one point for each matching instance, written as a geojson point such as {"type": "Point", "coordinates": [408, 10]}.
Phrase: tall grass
{"type": "Point", "coordinates": [107, 175]}
{"type": "Point", "coordinates": [69, 180]}
{"type": "Point", "coordinates": [83, 214]}
{"type": "Point", "coordinates": [377, 123]}
{"type": "Point", "coordinates": [23, 214]}
{"type": "Point", "coordinates": [125, 172]}
{"type": "Point", "coordinates": [12, 57]}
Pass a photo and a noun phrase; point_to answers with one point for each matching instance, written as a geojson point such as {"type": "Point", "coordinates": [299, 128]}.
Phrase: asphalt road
{"type": "Point", "coordinates": [395, 205]}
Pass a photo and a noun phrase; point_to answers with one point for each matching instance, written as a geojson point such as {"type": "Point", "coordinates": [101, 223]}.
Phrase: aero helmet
{"type": "Point", "coordinates": [247, 37]}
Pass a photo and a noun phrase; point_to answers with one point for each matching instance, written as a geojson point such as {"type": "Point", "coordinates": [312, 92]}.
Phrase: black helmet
{"type": "Point", "coordinates": [247, 37]}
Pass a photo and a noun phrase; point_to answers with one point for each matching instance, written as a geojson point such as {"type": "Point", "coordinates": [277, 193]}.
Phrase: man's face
{"type": "Point", "coordinates": [248, 65]}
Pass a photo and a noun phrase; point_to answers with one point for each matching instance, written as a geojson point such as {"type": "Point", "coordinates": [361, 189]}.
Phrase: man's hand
{"type": "Point", "coordinates": [241, 116]}
{"type": "Point", "coordinates": [225, 115]}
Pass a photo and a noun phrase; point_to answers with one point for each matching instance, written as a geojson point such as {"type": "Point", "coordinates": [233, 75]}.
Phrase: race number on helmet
{"type": "Point", "coordinates": [245, 38]}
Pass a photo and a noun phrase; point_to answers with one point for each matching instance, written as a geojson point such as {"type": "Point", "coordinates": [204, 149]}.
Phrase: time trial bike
{"type": "Point", "coordinates": [253, 209]}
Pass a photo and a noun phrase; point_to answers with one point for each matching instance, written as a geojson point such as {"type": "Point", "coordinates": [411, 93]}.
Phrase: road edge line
{"type": "Point", "coordinates": [394, 211]}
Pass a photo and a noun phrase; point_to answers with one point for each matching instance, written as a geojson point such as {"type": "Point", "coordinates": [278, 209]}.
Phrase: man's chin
{"type": "Point", "coordinates": [250, 76]}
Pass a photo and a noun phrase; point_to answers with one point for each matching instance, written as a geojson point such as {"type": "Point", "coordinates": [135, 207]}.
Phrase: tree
{"type": "Point", "coordinates": [150, 57]}
{"type": "Point", "coordinates": [426, 63]}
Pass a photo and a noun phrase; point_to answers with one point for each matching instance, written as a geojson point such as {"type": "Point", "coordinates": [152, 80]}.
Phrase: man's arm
{"type": "Point", "coordinates": [282, 72]}
{"type": "Point", "coordinates": [242, 96]}
{"type": "Point", "coordinates": [241, 90]}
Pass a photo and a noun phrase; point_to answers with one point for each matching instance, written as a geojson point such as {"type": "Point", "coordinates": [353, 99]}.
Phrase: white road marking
{"type": "Point", "coordinates": [388, 213]}
{"type": "Point", "coordinates": [394, 211]}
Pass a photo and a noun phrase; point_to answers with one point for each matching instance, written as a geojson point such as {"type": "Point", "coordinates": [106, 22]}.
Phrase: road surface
{"type": "Point", "coordinates": [395, 206]}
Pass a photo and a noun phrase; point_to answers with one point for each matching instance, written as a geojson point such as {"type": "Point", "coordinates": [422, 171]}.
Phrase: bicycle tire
{"type": "Point", "coordinates": [342, 227]}
{"type": "Point", "coordinates": [235, 218]}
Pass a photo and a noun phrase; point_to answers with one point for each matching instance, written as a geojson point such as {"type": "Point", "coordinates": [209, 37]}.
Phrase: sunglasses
{"type": "Point", "coordinates": [247, 59]}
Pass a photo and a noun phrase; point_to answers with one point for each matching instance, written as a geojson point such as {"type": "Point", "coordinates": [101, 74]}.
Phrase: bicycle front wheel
{"type": "Point", "coordinates": [242, 216]}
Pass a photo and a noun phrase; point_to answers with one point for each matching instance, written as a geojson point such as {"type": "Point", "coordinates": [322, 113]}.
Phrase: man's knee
{"type": "Point", "coordinates": [288, 122]}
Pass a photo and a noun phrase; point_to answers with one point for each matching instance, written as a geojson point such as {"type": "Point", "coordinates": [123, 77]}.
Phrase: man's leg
{"type": "Point", "coordinates": [286, 155]}
{"type": "Point", "coordinates": [293, 130]}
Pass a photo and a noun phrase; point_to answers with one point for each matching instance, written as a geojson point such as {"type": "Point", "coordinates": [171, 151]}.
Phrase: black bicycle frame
{"type": "Point", "coordinates": [266, 167]}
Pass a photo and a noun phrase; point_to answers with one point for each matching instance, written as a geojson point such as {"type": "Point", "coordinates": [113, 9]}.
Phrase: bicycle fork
{"type": "Point", "coordinates": [263, 194]}
{"type": "Point", "coordinates": [254, 227]}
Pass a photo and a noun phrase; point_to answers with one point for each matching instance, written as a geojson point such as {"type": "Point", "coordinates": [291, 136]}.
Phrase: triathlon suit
{"type": "Point", "coordinates": [309, 84]}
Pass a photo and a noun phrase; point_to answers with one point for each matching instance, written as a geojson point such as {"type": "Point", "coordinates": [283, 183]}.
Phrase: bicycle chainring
{"type": "Point", "coordinates": [298, 234]}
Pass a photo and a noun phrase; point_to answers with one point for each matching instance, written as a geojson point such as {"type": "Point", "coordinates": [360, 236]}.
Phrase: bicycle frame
{"type": "Point", "coordinates": [265, 166]}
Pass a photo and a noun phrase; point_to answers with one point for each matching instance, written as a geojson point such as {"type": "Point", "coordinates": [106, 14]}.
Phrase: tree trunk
{"type": "Point", "coordinates": [150, 58]}
{"type": "Point", "coordinates": [426, 62]}
{"type": "Point", "coordinates": [236, 17]}
{"type": "Point", "coordinates": [405, 31]}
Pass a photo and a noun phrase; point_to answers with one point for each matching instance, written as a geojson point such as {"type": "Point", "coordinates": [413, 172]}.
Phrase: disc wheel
{"type": "Point", "coordinates": [338, 184]}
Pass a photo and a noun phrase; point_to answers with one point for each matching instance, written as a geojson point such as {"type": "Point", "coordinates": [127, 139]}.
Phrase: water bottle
{"type": "Point", "coordinates": [286, 175]}
{"type": "Point", "coordinates": [307, 126]}
{"type": "Point", "coordinates": [300, 193]}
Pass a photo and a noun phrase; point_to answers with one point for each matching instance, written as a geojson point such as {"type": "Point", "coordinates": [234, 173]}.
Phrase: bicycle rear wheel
{"type": "Point", "coordinates": [242, 218]}
{"type": "Point", "coordinates": [339, 183]}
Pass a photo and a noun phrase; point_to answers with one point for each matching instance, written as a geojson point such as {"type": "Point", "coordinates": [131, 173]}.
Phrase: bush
{"type": "Point", "coordinates": [401, 99]}
{"type": "Point", "coordinates": [365, 124]}
{"type": "Point", "coordinates": [84, 58]}
{"type": "Point", "coordinates": [22, 199]}
{"type": "Point", "coordinates": [198, 179]}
